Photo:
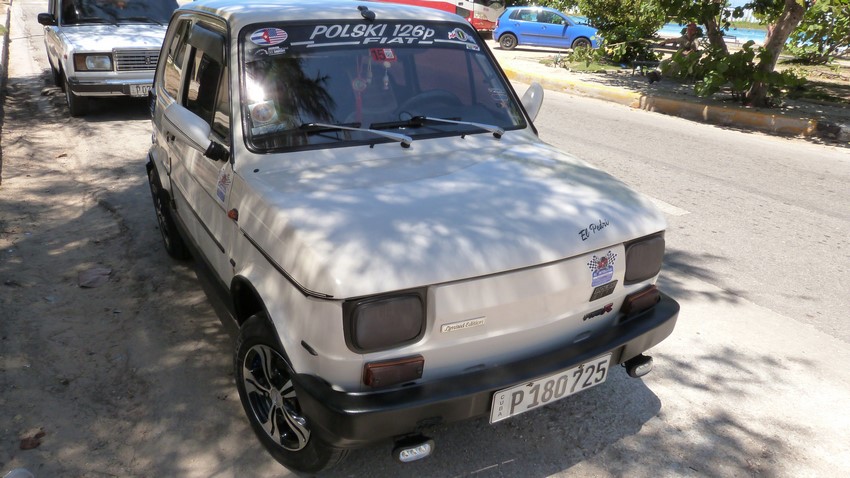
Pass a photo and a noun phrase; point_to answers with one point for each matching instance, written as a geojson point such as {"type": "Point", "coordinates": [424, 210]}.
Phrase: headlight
{"type": "Point", "coordinates": [643, 258]}
{"type": "Point", "coordinates": [92, 62]}
{"type": "Point", "coordinates": [385, 322]}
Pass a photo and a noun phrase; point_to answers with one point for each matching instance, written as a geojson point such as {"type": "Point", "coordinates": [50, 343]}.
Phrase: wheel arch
{"type": "Point", "coordinates": [246, 300]}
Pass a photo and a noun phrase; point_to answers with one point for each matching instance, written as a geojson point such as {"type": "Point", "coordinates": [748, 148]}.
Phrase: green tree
{"type": "Point", "coordinates": [782, 18]}
{"type": "Point", "coordinates": [625, 25]}
{"type": "Point", "coordinates": [823, 32]}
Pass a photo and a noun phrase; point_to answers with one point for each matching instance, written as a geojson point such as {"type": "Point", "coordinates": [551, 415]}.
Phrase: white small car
{"type": "Point", "coordinates": [104, 47]}
{"type": "Point", "coordinates": [397, 246]}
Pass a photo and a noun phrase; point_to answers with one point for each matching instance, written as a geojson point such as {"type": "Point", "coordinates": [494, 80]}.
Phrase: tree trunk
{"type": "Point", "coordinates": [777, 35]}
{"type": "Point", "coordinates": [715, 36]}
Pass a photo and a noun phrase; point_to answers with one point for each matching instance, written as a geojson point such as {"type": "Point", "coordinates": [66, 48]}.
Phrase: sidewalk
{"type": "Point", "coordinates": [815, 121]}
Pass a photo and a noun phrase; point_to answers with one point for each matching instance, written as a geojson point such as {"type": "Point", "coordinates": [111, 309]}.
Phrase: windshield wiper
{"type": "Point", "coordinates": [497, 131]}
{"type": "Point", "coordinates": [319, 127]}
{"type": "Point", "coordinates": [417, 121]}
{"type": "Point", "coordinates": [142, 19]}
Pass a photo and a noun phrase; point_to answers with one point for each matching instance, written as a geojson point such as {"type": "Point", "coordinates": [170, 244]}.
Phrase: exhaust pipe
{"type": "Point", "coordinates": [638, 366]}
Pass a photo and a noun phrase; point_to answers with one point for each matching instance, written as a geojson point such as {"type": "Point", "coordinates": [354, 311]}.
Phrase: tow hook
{"type": "Point", "coordinates": [412, 448]}
{"type": "Point", "coordinates": [638, 366]}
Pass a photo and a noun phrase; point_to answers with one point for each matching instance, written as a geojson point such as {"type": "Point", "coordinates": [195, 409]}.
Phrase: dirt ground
{"type": "Point", "coordinates": [97, 376]}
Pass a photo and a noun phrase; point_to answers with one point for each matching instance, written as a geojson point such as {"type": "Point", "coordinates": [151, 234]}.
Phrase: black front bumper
{"type": "Point", "coordinates": [350, 420]}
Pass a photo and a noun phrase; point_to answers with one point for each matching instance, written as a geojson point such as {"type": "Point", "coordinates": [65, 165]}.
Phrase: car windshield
{"type": "Point", "coordinates": [76, 12]}
{"type": "Point", "coordinates": [310, 86]}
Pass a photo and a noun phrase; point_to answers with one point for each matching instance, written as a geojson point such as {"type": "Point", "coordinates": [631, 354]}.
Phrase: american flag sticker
{"type": "Point", "coordinates": [269, 36]}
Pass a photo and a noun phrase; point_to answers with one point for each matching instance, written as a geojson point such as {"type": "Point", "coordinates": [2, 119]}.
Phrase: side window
{"type": "Point", "coordinates": [204, 75]}
{"type": "Point", "coordinates": [174, 59]}
{"type": "Point", "coordinates": [221, 117]}
{"type": "Point", "coordinates": [207, 94]}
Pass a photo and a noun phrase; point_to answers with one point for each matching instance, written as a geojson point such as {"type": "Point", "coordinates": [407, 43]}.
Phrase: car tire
{"type": "Point", "coordinates": [581, 42]}
{"type": "Point", "coordinates": [77, 105]}
{"type": "Point", "coordinates": [508, 41]}
{"type": "Point", "coordinates": [264, 382]}
{"type": "Point", "coordinates": [57, 78]}
{"type": "Point", "coordinates": [171, 238]}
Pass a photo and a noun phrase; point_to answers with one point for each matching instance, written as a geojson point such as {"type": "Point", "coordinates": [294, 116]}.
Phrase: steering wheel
{"type": "Point", "coordinates": [427, 100]}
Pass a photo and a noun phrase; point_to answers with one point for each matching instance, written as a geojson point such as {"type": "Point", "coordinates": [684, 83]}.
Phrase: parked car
{"type": "Point", "coordinates": [104, 47]}
{"type": "Point", "coordinates": [542, 26]}
{"type": "Point", "coordinates": [397, 246]}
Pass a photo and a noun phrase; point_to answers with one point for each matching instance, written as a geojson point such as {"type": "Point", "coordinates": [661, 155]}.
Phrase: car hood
{"type": "Point", "coordinates": [109, 37]}
{"type": "Point", "coordinates": [395, 223]}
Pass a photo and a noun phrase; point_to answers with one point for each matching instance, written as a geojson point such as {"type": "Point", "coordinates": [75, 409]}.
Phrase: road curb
{"type": "Point", "coordinates": [732, 116]}
{"type": "Point", "coordinates": [5, 15]}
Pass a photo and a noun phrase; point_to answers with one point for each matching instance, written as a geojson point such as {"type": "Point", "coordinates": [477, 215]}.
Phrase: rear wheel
{"type": "Point", "coordinates": [507, 41]}
{"type": "Point", "coordinates": [77, 105]}
{"type": "Point", "coordinates": [264, 381]}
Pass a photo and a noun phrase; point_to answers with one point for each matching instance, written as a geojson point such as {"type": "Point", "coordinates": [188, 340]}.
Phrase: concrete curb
{"type": "Point", "coordinates": [738, 117]}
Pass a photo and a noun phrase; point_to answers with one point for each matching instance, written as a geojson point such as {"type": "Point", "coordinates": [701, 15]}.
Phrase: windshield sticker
{"type": "Point", "coordinates": [263, 113]}
{"type": "Point", "coordinates": [360, 34]}
{"type": "Point", "coordinates": [225, 179]}
{"type": "Point", "coordinates": [270, 51]}
{"type": "Point", "coordinates": [269, 36]}
{"type": "Point", "coordinates": [500, 96]}
{"type": "Point", "coordinates": [383, 54]}
{"type": "Point", "coordinates": [300, 38]}
{"type": "Point", "coordinates": [602, 269]}
{"type": "Point", "coordinates": [458, 34]}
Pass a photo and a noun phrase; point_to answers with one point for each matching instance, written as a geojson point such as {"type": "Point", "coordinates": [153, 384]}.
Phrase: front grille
{"type": "Point", "coordinates": [135, 60]}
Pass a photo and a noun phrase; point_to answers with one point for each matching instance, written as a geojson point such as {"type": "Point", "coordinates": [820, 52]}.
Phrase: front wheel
{"type": "Point", "coordinates": [507, 41]}
{"type": "Point", "coordinates": [581, 42]}
{"type": "Point", "coordinates": [267, 393]}
{"type": "Point", "coordinates": [77, 105]}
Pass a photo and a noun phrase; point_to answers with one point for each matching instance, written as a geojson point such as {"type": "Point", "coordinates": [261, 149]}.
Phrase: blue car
{"type": "Point", "coordinates": [542, 26]}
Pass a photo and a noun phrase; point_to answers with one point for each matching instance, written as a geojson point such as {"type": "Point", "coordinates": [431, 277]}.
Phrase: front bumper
{"type": "Point", "coordinates": [349, 420]}
{"type": "Point", "coordinates": [111, 87]}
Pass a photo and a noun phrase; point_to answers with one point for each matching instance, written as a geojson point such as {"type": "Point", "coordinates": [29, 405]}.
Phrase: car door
{"type": "Point", "coordinates": [554, 30]}
{"type": "Point", "coordinates": [200, 185]}
{"type": "Point", "coordinates": [51, 36]}
{"type": "Point", "coordinates": [529, 30]}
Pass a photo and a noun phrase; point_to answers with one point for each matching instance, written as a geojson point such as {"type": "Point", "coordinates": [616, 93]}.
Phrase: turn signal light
{"type": "Point", "coordinates": [393, 372]}
{"type": "Point", "coordinates": [640, 301]}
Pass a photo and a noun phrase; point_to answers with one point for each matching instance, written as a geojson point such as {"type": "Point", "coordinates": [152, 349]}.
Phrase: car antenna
{"type": "Point", "coordinates": [366, 13]}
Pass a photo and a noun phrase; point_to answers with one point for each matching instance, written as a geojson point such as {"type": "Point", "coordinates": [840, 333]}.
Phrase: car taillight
{"type": "Point", "coordinates": [643, 258]}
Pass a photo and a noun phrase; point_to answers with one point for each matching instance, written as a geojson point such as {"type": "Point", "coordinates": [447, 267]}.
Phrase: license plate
{"type": "Point", "coordinates": [528, 396]}
{"type": "Point", "coordinates": [139, 90]}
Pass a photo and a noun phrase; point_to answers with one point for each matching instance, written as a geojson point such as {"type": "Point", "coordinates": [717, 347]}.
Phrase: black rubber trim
{"type": "Point", "coordinates": [307, 292]}
{"type": "Point", "coordinates": [350, 420]}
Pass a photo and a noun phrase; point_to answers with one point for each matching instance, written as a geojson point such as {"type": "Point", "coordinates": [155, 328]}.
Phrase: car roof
{"type": "Point", "coordinates": [239, 13]}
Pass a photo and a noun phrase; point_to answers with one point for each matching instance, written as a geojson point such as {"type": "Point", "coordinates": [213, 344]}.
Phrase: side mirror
{"type": "Point", "coordinates": [192, 130]}
{"type": "Point", "coordinates": [46, 19]}
{"type": "Point", "coordinates": [532, 100]}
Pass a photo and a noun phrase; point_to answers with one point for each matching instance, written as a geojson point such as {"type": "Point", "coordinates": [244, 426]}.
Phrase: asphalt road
{"type": "Point", "coordinates": [133, 378]}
